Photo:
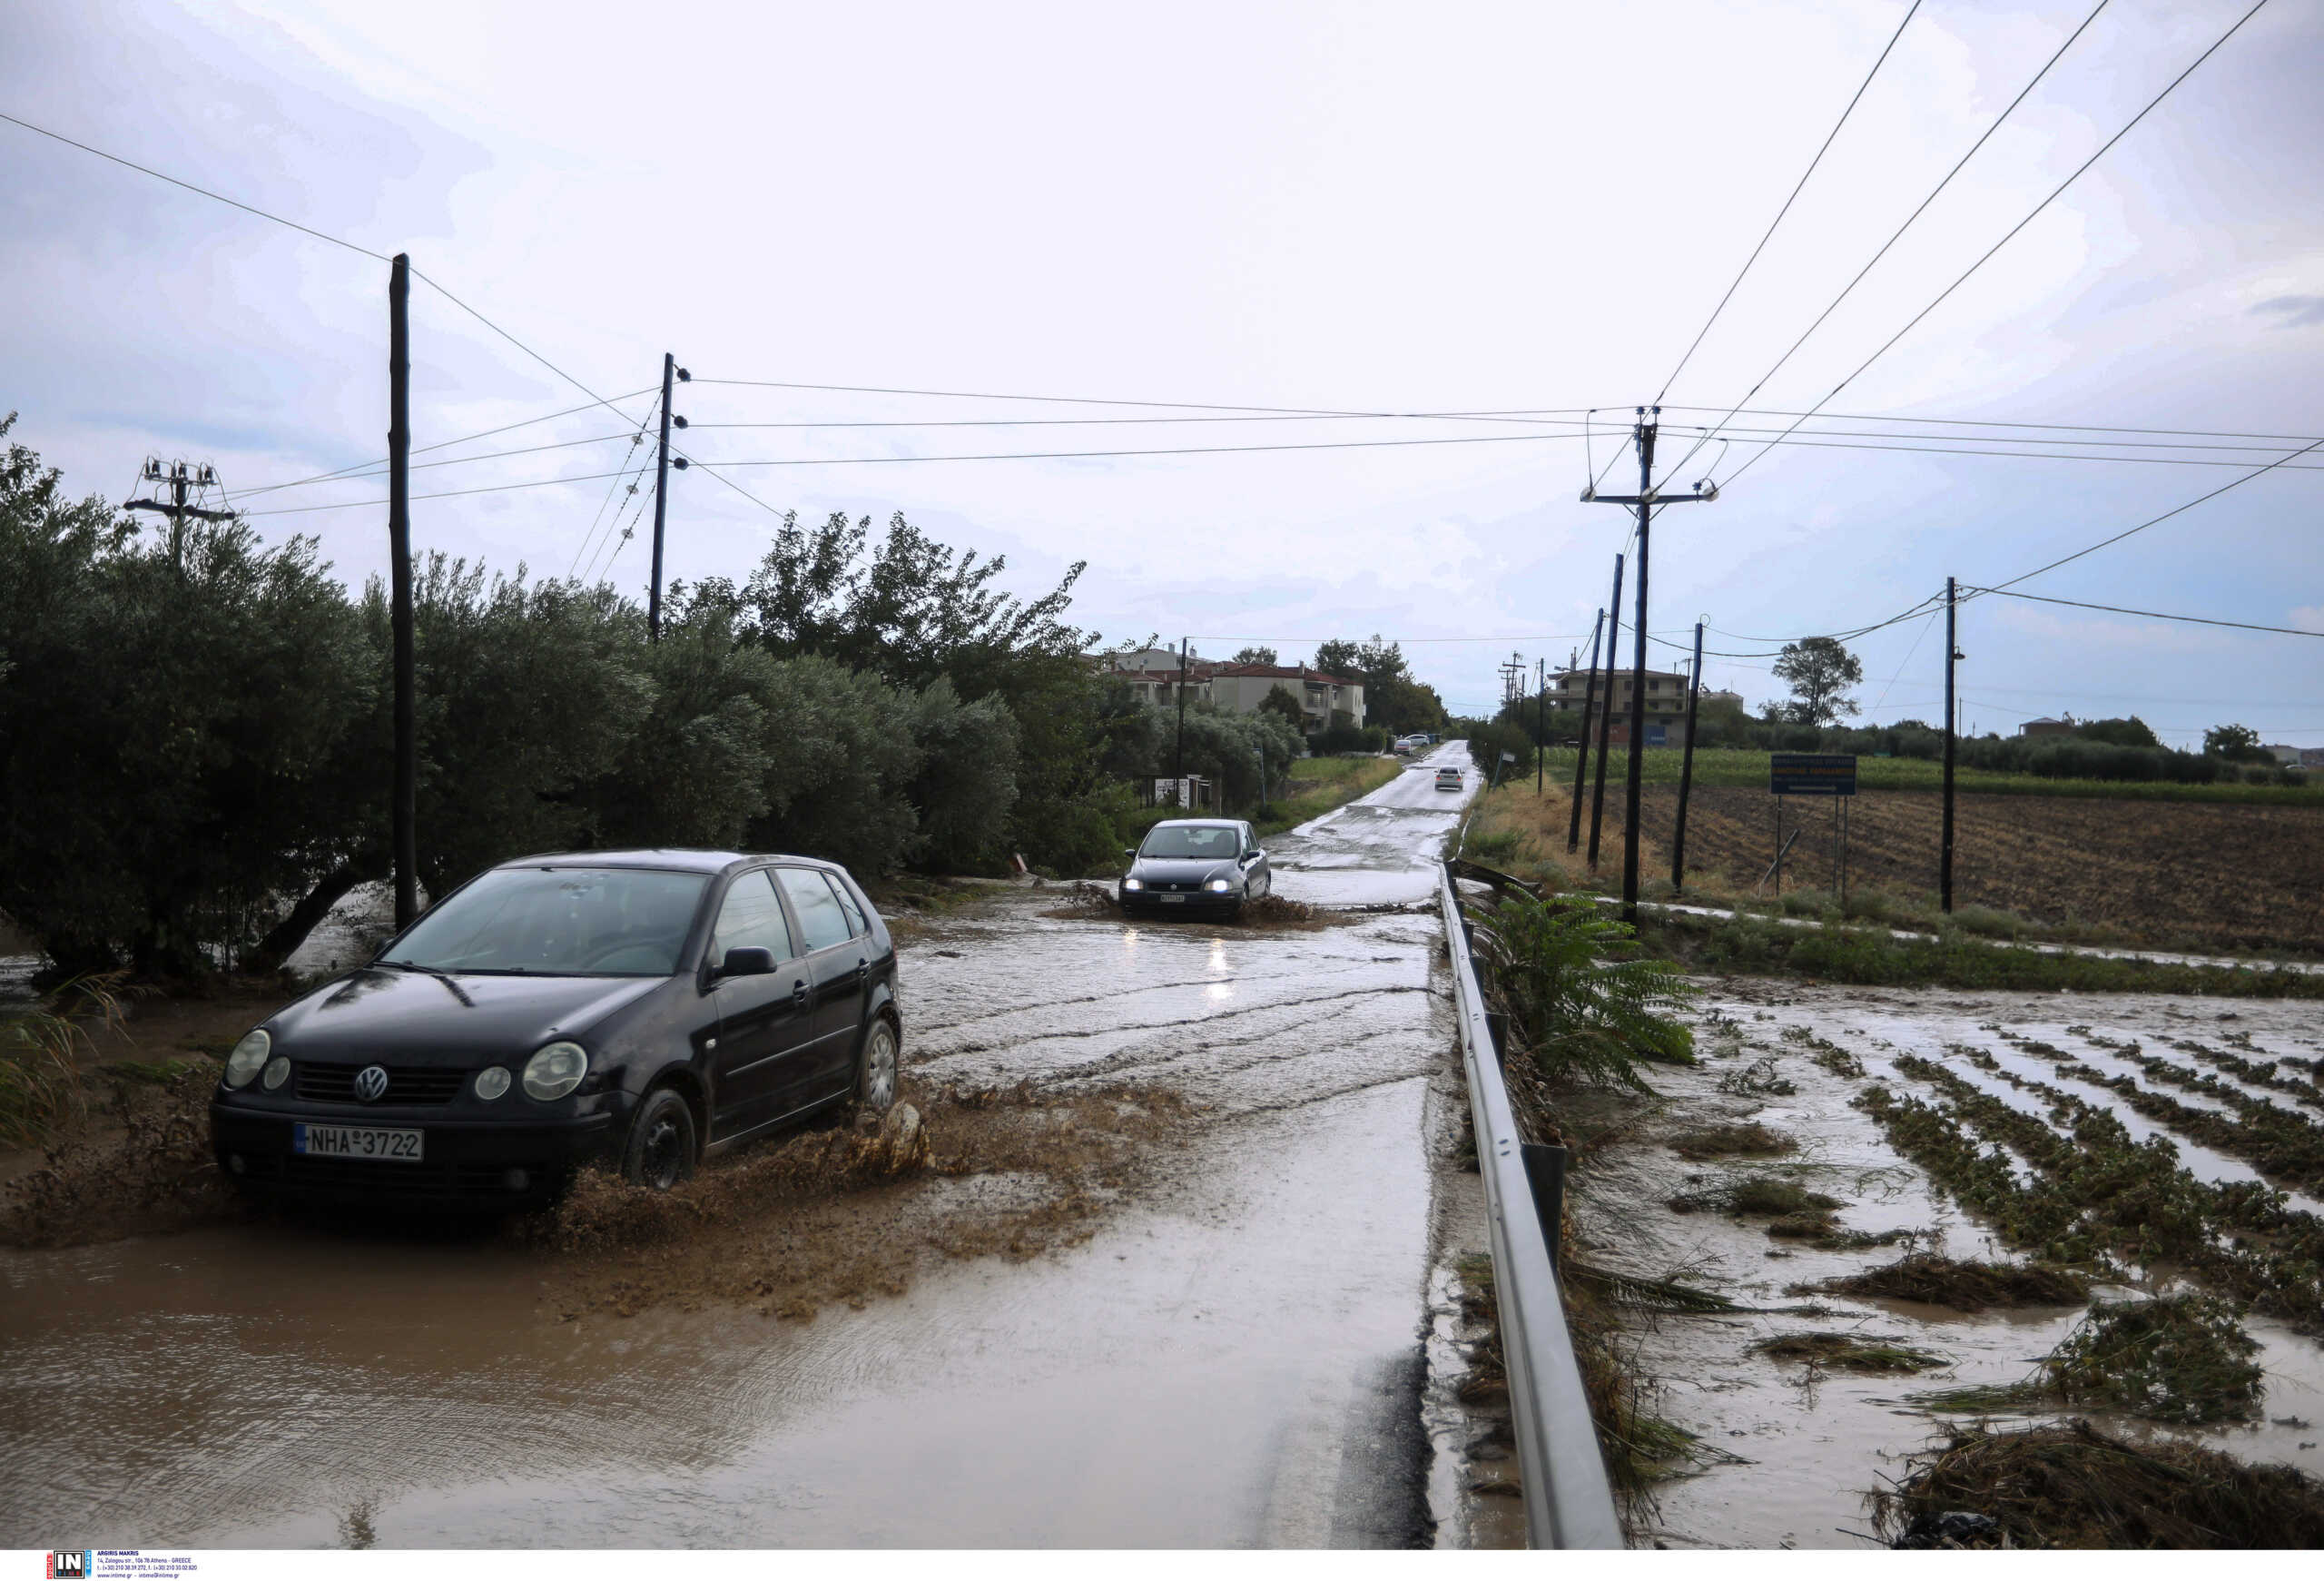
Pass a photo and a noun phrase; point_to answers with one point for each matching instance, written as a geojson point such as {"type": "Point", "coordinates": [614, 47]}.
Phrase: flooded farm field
{"type": "Point", "coordinates": [2158, 1145]}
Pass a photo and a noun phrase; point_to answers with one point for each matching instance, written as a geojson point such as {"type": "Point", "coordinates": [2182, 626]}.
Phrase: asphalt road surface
{"type": "Point", "coordinates": [1233, 1360]}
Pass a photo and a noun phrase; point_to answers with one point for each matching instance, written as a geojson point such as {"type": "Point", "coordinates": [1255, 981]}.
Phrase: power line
{"type": "Point", "coordinates": [1174, 450]}
{"type": "Point", "coordinates": [1796, 190]}
{"type": "Point", "coordinates": [363, 469]}
{"type": "Point", "coordinates": [636, 440]}
{"type": "Point", "coordinates": [1792, 437]}
{"type": "Point", "coordinates": [2154, 615]}
{"type": "Point", "coordinates": [2013, 230]}
{"type": "Point", "coordinates": [189, 186]}
{"type": "Point", "coordinates": [1907, 225]}
{"type": "Point", "coordinates": [445, 494]}
{"type": "Point", "coordinates": [1994, 422]}
{"type": "Point", "coordinates": [2155, 520]}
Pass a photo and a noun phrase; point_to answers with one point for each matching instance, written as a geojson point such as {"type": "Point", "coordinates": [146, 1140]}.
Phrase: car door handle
{"type": "Point", "coordinates": [862, 970]}
{"type": "Point", "coordinates": [799, 993]}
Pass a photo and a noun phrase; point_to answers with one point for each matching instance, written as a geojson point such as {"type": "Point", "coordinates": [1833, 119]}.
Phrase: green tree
{"type": "Point", "coordinates": [2236, 743]}
{"type": "Point", "coordinates": [1391, 698]}
{"type": "Point", "coordinates": [1254, 656]}
{"type": "Point", "coordinates": [1279, 700]}
{"type": "Point", "coordinates": [1819, 672]}
{"type": "Point", "coordinates": [2131, 732]}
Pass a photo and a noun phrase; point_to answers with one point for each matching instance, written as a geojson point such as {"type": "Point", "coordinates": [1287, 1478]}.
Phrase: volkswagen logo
{"type": "Point", "coordinates": [371, 1083]}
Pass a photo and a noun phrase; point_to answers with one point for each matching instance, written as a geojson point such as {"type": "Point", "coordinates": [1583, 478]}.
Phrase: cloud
{"type": "Point", "coordinates": [2296, 312]}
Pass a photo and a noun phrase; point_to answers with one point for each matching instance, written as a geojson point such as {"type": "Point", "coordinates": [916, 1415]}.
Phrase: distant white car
{"type": "Point", "coordinates": [1448, 779]}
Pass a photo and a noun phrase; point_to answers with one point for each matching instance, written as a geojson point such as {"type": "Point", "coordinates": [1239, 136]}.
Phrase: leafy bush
{"type": "Point", "coordinates": [1588, 1015]}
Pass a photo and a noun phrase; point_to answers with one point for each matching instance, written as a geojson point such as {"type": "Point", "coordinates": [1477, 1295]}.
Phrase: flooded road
{"type": "Point", "coordinates": [1233, 1357]}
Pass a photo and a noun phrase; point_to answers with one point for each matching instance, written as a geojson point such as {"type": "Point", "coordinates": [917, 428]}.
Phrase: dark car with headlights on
{"type": "Point", "coordinates": [633, 1009]}
{"type": "Point", "coordinates": [1195, 865]}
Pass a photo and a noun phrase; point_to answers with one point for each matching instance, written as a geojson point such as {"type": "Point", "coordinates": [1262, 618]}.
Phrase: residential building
{"type": "Point", "coordinates": [1244, 686]}
{"type": "Point", "coordinates": [1154, 674]}
{"type": "Point", "coordinates": [1666, 704]}
{"type": "Point", "coordinates": [2047, 726]}
{"type": "Point", "coordinates": [2287, 756]}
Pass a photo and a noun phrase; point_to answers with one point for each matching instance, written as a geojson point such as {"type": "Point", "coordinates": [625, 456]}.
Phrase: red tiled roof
{"type": "Point", "coordinates": [1281, 672]}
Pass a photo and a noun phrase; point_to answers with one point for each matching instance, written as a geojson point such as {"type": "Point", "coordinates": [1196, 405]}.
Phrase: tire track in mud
{"type": "Point", "coordinates": [1239, 1011]}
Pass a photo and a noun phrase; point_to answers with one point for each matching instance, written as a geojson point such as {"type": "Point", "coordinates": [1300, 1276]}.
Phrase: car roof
{"type": "Point", "coordinates": [1198, 824]}
{"type": "Point", "coordinates": [668, 858]}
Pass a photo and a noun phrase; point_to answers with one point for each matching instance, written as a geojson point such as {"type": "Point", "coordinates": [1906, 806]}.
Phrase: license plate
{"type": "Point", "coordinates": [1173, 900]}
{"type": "Point", "coordinates": [356, 1141]}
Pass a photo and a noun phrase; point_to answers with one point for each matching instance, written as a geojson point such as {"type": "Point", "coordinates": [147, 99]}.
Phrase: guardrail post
{"type": "Point", "coordinates": [1497, 1022]}
{"type": "Point", "coordinates": [1545, 1171]}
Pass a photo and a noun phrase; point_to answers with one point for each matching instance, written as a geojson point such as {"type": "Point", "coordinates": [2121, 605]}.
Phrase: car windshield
{"type": "Point", "coordinates": [608, 922]}
{"type": "Point", "coordinates": [1215, 841]}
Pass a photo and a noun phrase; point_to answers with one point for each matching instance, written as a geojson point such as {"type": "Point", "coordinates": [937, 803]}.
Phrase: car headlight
{"type": "Point", "coordinates": [278, 1071]}
{"type": "Point", "coordinates": [248, 1058]}
{"type": "Point", "coordinates": [493, 1079]}
{"type": "Point", "coordinates": [1133, 884]}
{"type": "Point", "coordinates": [1218, 886]}
{"type": "Point", "coordinates": [555, 1071]}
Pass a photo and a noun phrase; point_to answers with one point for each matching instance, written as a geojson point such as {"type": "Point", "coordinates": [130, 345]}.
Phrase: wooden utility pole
{"type": "Point", "coordinates": [1945, 840]}
{"type": "Point", "coordinates": [1179, 757]}
{"type": "Point", "coordinates": [1581, 756]}
{"type": "Point", "coordinates": [1541, 726]}
{"type": "Point", "coordinates": [1605, 711]}
{"type": "Point", "coordinates": [405, 813]}
{"type": "Point", "coordinates": [1686, 767]}
{"type": "Point", "coordinates": [1645, 499]}
{"type": "Point", "coordinates": [661, 503]}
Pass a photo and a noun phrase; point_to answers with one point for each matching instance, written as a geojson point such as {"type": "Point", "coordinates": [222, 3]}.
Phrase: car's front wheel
{"type": "Point", "coordinates": [879, 1068]}
{"type": "Point", "coordinates": [662, 1148]}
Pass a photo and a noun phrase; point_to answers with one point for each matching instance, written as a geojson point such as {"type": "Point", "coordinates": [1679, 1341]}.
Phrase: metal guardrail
{"type": "Point", "coordinates": [1569, 1504]}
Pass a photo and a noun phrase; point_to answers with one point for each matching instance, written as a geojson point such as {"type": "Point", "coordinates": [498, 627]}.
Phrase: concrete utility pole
{"type": "Point", "coordinates": [1645, 499]}
{"type": "Point", "coordinates": [1687, 765]}
{"type": "Point", "coordinates": [670, 370]}
{"type": "Point", "coordinates": [404, 814]}
{"type": "Point", "coordinates": [1581, 756]}
{"type": "Point", "coordinates": [1945, 841]}
{"type": "Point", "coordinates": [176, 506]}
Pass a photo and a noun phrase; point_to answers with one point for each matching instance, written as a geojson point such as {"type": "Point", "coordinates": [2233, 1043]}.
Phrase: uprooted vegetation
{"type": "Point", "coordinates": [2073, 1487]}
{"type": "Point", "coordinates": [1713, 1141]}
{"type": "Point", "coordinates": [1966, 1286]}
{"type": "Point", "coordinates": [2175, 1359]}
{"type": "Point", "coordinates": [1849, 1352]}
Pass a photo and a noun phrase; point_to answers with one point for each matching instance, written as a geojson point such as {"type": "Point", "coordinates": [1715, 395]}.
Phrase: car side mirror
{"type": "Point", "coordinates": [1130, 850]}
{"type": "Point", "coordinates": [747, 960]}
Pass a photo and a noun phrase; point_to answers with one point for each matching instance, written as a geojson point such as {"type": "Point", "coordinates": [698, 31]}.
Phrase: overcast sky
{"type": "Point", "coordinates": [1448, 208]}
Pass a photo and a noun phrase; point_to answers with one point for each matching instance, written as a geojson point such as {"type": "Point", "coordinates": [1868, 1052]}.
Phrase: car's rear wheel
{"type": "Point", "coordinates": [879, 1068]}
{"type": "Point", "coordinates": [662, 1147]}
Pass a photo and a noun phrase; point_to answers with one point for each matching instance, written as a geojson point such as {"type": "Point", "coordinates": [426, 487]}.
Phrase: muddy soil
{"type": "Point", "coordinates": [1811, 1440]}
{"type": "Point", "coordinates": [1166, 1286]}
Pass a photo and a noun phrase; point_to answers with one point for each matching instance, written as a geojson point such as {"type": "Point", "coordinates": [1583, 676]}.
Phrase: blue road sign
{"type": "Point", "coordinates": [1811, 774]}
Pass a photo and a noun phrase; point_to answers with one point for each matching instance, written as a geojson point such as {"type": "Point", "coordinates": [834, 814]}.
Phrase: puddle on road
{"type": "Point", "coordinates": [1813, 1443]}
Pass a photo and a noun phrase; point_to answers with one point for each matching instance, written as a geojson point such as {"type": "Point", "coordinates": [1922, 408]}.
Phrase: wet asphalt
{"type": "Point", "coordinates": [1233, 1359]}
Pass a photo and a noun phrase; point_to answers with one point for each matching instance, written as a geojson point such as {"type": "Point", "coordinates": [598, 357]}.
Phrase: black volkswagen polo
{"type": "Point", "coordinates": [631, 1008]}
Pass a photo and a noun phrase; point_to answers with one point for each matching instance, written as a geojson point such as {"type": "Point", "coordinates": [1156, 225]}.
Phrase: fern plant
{"type": "Point", "coordinates": [1578, 997]}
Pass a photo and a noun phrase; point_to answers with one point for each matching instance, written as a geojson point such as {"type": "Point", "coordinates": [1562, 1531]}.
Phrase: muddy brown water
{"type": "Point", "coordinates": [1234, 1358]}
{"type": "Point", "coordinates": [1806, 1448]}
